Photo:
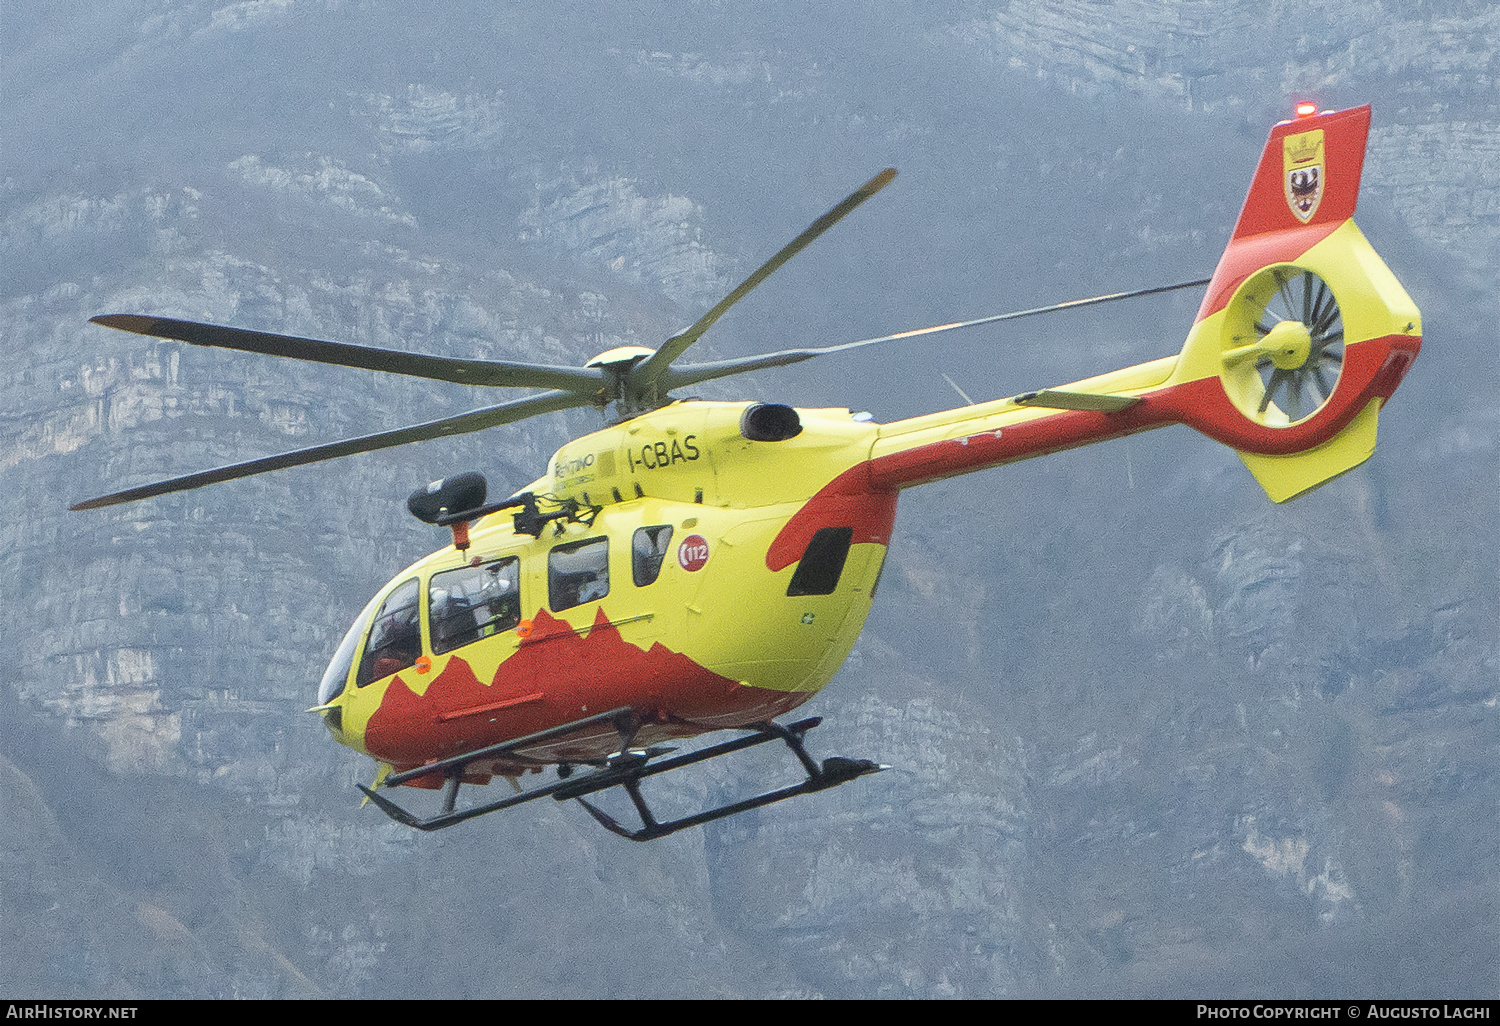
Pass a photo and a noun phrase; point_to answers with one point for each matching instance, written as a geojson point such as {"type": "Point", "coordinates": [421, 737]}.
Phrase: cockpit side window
{"type": "Point", "coordinates": [473, 602]}
{"type": "Point", "coordinates": [395, 637]}
{"type": "Point", "coordinates": [337, 674]}
{"type": "Point", "coordinates": [577, 573]}
{"type": "Point", "coordinates": [647, 550]}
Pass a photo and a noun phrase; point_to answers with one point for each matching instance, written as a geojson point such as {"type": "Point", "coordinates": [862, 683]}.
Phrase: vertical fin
{"type": "Point", "coordinates": [1308, 175]}
{"type": "Point", "coordinates": [1305, 187]}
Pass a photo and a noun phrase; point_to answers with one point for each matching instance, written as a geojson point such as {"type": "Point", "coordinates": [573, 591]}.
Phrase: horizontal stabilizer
{"type": "Point", "coordinates": [1057, 399]}
{"type": "Point", "coordinates": [1289, 477]}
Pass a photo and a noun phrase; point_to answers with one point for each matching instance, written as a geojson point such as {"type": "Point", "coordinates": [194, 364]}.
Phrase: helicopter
{"type": "Point", "coordinates": [702, 566]}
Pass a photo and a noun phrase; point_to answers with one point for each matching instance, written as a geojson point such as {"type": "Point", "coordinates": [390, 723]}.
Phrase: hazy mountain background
{"type": "Point", "coordinates": [1152, 735]}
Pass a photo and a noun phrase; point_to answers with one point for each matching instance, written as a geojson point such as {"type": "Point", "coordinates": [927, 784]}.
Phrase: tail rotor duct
{"type": "Point", "coordinates": [1286, 349]}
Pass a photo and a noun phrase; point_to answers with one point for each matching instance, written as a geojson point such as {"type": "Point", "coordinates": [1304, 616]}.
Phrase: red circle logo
{"type": "Point", "coordinates": [693, 552]}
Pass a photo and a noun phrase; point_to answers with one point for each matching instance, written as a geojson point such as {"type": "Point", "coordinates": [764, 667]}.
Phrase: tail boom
{"type": "Point", "coordinates": [994, 434]}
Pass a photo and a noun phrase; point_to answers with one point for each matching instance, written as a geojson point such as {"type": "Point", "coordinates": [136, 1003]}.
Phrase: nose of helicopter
{"type": "Point", "coordinates": [336, 676]}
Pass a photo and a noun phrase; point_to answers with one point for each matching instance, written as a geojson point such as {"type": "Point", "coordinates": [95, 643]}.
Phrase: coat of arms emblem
{"type": "Point", "coordinates": [1303, 171]}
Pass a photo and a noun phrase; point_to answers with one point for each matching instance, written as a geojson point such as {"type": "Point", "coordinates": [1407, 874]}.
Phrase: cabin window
{"type": "Point", "coordinates": [647, 550]}
{"type": "Point", "coordinates": [823, 563]}
{"type": "Point", "coordinates": [395, 637]}
{"type": "Point", "coordinates": [473, 602]}
{"type": "Point", "coordinates": [577, 573]}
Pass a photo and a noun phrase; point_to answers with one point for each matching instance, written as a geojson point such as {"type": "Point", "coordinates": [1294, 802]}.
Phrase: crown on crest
{"type": "Point", "coordinates": [1302, 149]}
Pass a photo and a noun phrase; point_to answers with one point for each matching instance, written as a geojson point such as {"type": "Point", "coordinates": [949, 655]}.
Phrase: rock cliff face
{"type": "Point", "coordinates": [1436, 63]}
{"type": "Point", "coordinates": [1149, 734]}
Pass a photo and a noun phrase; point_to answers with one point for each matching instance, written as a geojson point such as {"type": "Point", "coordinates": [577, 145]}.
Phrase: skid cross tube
{"type": "Point", "coordinates": [448, 819]}
{"type": "Point", "coordinates": [626, 770]}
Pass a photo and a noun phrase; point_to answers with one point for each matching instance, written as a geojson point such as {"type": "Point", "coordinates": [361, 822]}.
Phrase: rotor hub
{"type": "Point", "coordinates": [1288, 344]}
{"type": "Point", "coordinates": [620, 357]}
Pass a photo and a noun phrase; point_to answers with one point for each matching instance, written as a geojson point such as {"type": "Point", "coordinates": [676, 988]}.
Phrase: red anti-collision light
{"type": "Point", "coordinates": [1306, 109]}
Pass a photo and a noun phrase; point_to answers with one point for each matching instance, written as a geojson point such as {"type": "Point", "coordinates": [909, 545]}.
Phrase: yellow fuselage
{"type": "Point", "coordinates": [687, 467]}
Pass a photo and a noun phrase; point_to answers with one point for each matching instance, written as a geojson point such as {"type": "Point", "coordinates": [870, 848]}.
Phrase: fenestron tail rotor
{"type": "Point", "coordinates": [1293, 351]}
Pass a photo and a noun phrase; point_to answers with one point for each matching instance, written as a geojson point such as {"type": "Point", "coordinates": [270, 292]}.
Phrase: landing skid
{"type": "Point", "coordinates": [625, 769]}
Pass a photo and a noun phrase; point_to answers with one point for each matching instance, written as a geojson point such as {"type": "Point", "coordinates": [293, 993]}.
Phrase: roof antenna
{"type": "Point", "coordinates": [960, 391]}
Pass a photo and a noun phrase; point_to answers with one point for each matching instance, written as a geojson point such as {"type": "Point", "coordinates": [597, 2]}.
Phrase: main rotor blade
{"type": "Point", "coordinates": [475, 420]}
{"type": "Point", "coordinates": [679, 377]}
{"type": "Point", "coordinates": [583, 380]}
{"type": "Point", "coordinates": [656, 365]}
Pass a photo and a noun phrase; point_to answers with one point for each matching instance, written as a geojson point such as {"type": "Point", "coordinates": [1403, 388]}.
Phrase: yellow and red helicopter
{"type": "Point", "coordinates": [697, 566]}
